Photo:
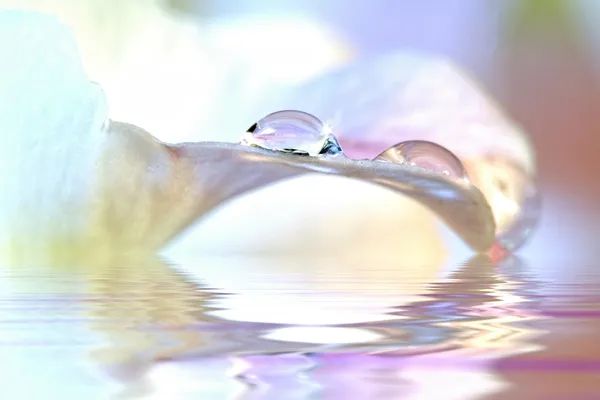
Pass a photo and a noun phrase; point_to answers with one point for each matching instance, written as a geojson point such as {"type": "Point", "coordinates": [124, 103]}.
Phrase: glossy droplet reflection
{"type": "Point", "coordinates": [292, 131]}
{"type": "Point", "coordinates": [511, 192]}
{"type": "Point", "coordinates": [426, 155]}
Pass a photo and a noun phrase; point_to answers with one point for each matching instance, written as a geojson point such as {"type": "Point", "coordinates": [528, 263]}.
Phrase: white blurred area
{"type": "Point", "coordinates": [183, 78]}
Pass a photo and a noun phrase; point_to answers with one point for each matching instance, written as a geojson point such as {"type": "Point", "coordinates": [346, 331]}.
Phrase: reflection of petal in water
{"type": "Point", "coordinates": [145, 327]}
{"type": "Point", "coordinates": [482, 306]}
{"type": "Point", "coordinates": [311, 289]}
{"type": "Point", "coordinates": [115, 318]}
{"type": "Point", "coordinates": [324, 335]}
{"type": "Point", "coordinates": [368, 376]}
{"type": "Point", "coordinates": [453, 329]}
{"type": "Point", "coordinates": [567, 357]}
{"type": "Point", "coordinates": [133, 299]}
{"type": "Point", "coordinates": [210, 379]}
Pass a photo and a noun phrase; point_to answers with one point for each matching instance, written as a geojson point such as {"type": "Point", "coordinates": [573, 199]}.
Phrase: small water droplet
{"type": "Point", "coordinates": [292, 131]}
{"type": "Point", "coordinates": [426, 155]}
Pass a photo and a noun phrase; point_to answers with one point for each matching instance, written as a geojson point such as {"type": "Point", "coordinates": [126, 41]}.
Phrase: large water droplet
{"type": "Point", "coordinates": [292, 131]}
{"type": "Point", "coordinates": [426, 155]}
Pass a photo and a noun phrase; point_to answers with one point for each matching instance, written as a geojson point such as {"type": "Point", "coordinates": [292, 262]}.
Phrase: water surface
{"type": "Point", "coordinates": [241, 327]}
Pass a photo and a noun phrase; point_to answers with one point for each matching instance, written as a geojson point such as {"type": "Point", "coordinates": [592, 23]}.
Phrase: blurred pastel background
{"type": "Point", "coordinates": [191, 70]}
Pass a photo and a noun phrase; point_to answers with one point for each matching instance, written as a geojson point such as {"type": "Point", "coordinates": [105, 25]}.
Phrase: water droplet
{"type": "Point", "coordinates": [292, 131]}
{"type": "Point", "coordinates": [426, 155]}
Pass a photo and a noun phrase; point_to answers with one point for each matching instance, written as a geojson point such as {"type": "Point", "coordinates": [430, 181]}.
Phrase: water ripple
{"type": "Point", "coordinates": [147, 329]}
